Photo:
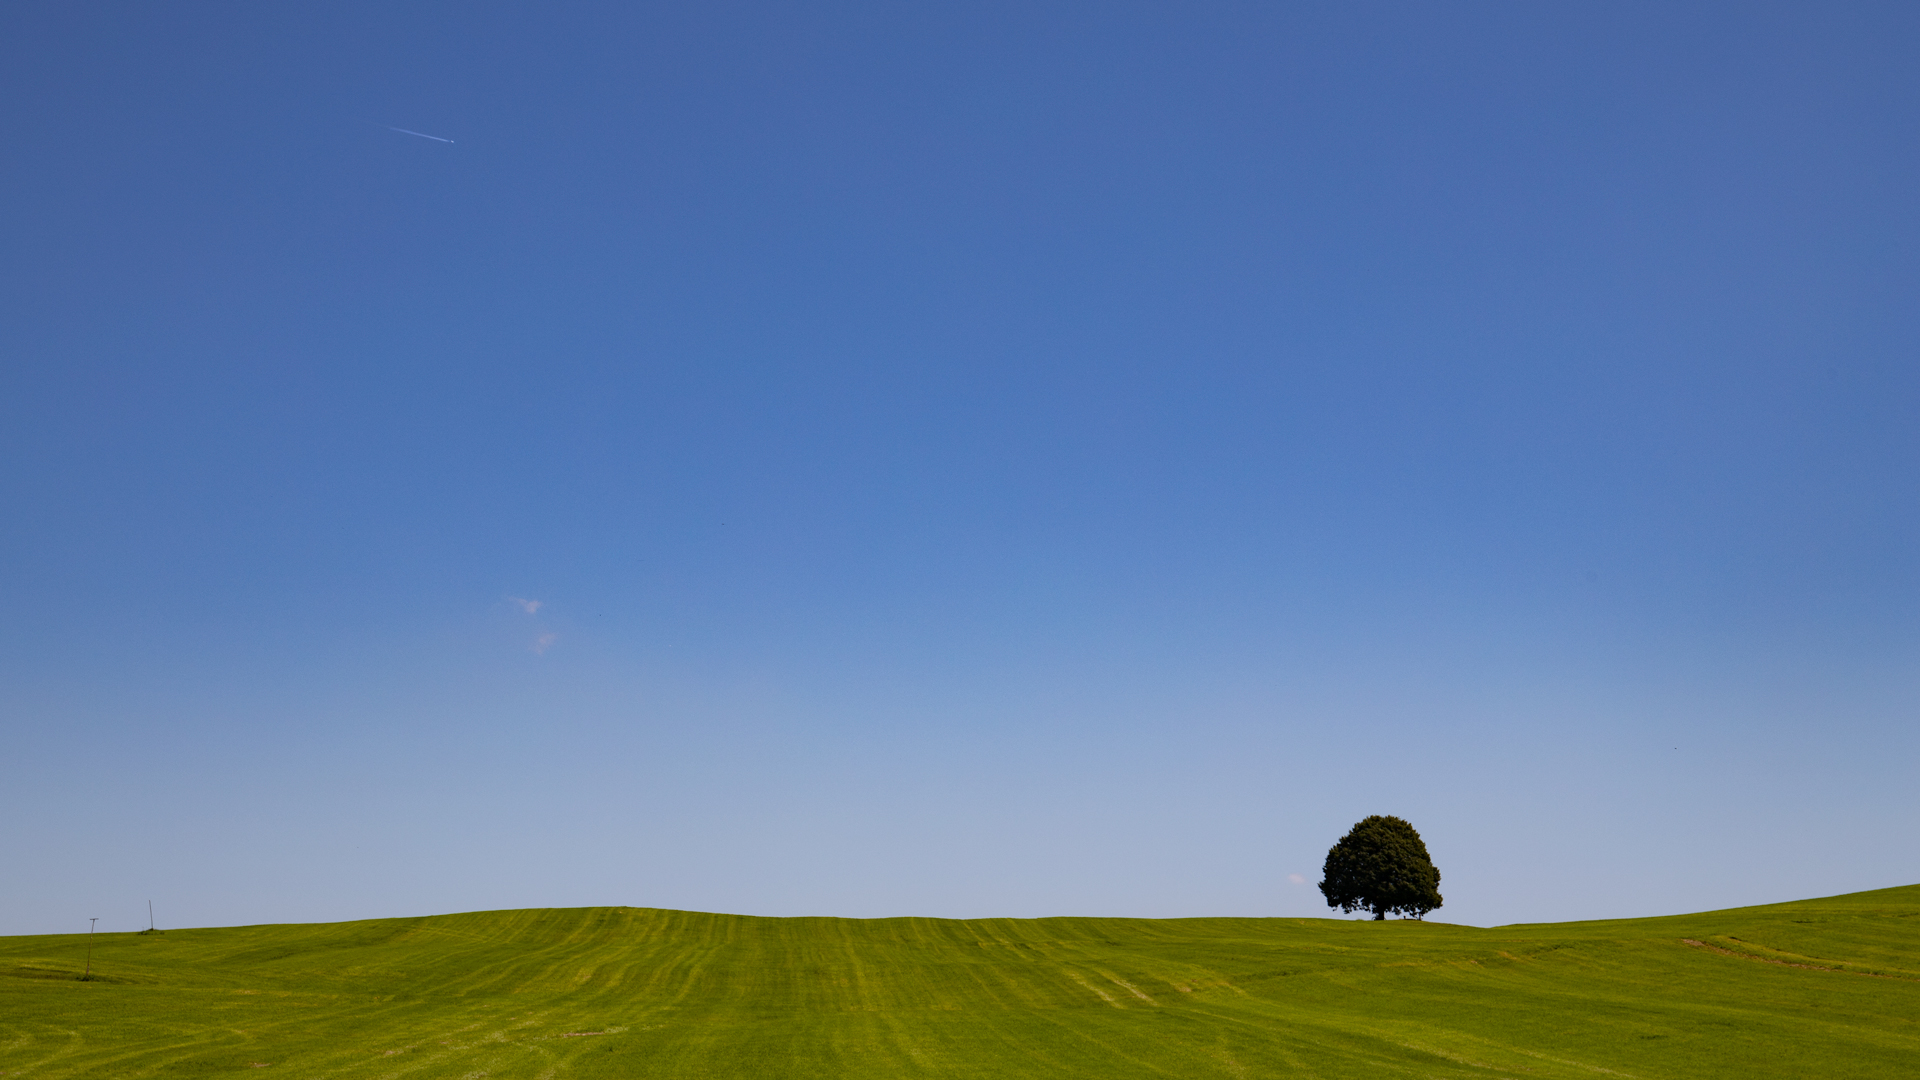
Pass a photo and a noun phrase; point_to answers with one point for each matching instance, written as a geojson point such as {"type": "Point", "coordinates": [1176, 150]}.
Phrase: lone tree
{"type": "Point", "coordinates": [1381, 865]}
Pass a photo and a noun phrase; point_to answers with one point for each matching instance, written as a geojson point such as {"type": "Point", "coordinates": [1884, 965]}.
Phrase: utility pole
{"type": "Point", "coordinates": [149, 914]}
{"type": "Point", "coordinates": [88, 974]}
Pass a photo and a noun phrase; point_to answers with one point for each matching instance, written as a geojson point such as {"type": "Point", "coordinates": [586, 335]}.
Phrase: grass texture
{"type": "Point", "coordinates": [1819, 988]}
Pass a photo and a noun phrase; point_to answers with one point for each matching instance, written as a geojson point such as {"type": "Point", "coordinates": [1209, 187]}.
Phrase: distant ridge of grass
{"type": "Point", "coordinates": [1814, 988]}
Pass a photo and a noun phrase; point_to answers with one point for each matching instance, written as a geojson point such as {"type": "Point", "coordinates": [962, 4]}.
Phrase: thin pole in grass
{"type": "Point", "coordinates": [88, 974]}
{"type": "Point", "coordinates": [149, 914]}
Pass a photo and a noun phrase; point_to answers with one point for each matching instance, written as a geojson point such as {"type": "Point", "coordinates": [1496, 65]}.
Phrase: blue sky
{"type": "Point", "coordinates": [1003, 459]}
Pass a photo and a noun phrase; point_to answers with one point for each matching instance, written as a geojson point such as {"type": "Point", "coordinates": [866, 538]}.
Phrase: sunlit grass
{"type": "Point", "coordinates": [1826, 988]}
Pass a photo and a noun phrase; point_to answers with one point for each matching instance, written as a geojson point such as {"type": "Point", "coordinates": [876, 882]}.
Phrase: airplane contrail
{"type": "Point", "coordinates": [423, 135]}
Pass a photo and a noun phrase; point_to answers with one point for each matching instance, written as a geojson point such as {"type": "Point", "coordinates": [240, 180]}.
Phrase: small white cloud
{"type": "Point", "coordinates": [1296, 879]}
{"type": "Point", "coordinates": [529, 606]}
{"type": "Point", "coordinates": [540, 643]}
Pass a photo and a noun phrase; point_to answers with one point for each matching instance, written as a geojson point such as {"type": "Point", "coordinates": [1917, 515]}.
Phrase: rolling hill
{"type": "Point", "coordinates": [1817, 988]}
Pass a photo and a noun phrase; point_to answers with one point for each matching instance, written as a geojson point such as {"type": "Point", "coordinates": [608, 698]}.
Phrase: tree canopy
{"type": "Point", "coordinates": [1381, 866]}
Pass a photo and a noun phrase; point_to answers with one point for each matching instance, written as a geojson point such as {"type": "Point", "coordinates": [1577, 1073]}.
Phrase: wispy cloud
{"type": "Point", "coordinates": [422, 134]}
{"type": "Point", "coordinates": [1296, 879]}
{"type": "Point", "coordinates": [531, 607]}
{"type": "Point", "coordinates": [540, 643]}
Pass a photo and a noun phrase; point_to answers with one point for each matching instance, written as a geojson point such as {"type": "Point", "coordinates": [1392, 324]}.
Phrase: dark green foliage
{"type": "Point", "coordinates": [1381, 866]}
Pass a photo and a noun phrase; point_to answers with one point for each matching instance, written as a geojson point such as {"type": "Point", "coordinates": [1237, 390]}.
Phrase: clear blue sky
{"type": "Point", "coordinates": [991, 459]}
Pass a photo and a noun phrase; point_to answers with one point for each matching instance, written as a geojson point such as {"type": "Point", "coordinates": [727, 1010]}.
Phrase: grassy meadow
{"type": "Point", "coordinates": [1819, 988]}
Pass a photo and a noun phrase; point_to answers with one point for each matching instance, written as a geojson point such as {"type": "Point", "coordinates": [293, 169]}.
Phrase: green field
{"type": "Point", "coordinates": [1819, 988]}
